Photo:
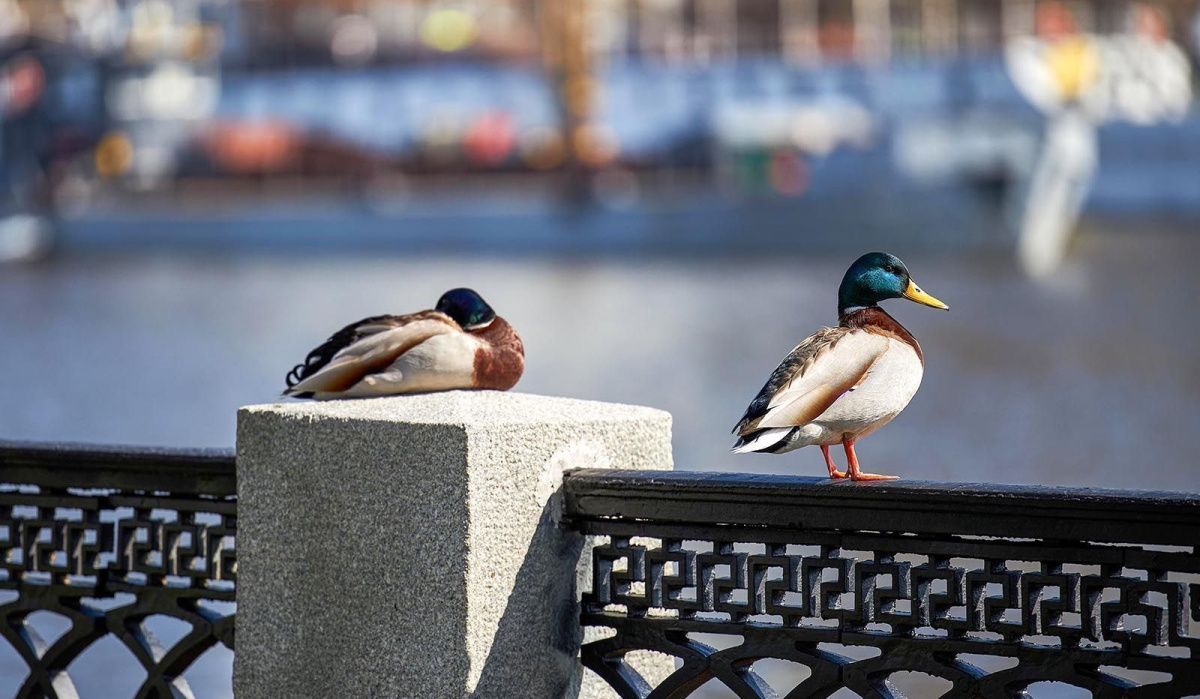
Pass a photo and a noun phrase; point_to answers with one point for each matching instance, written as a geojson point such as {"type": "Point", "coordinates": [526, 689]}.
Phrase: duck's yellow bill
{"type": "Point", "coordinates": [914, 293]}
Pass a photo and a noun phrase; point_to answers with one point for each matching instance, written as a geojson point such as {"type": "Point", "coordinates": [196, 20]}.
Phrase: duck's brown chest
{"type": "Point", "coordinates": [500, 359]}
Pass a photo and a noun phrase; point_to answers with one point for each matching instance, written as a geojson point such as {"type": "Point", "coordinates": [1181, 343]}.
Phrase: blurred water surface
{"type": "Point", "coordinates": [1090, 378]}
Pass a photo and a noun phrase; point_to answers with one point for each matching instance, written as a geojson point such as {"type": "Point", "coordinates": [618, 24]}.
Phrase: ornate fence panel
{"type": "Point", "coordinates": [888, 588]}
{"type": "Point", "coordinates": [769, 586]}
{"type": "Point", "coordinates": [108, 538]}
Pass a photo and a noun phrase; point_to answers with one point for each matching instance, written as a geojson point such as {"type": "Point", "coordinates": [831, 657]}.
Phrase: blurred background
{"type": "Point", "coordinates": [662, 195]}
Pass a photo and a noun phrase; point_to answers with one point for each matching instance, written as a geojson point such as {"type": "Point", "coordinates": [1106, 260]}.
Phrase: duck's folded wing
{"type": "Point", "coordinates": [441, 363]}
{"type": "Point", "coordinates": [814, 375]}
{"type": "Point", "coordinates": [374, 345]}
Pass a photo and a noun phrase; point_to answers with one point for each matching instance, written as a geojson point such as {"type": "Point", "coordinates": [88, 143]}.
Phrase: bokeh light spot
{"type": "Point", "coordinates": [449, 30]}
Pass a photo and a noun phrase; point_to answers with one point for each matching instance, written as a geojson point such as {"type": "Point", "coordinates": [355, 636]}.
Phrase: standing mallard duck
{"type": "Point", "coordinates": [841, 384]}
{"type": "Point", "coordinates": [461, 343]}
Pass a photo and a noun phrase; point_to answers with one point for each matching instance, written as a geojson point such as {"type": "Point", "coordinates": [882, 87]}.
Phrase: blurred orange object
{"type": "Point", "coordinates": [1054, 20]}
{"type": "Point", "coordinates": [114, 154]}
{"type": "Point", "coordinates": [490, 138]}
{"type": "Point", "coordinates": [253, 146]}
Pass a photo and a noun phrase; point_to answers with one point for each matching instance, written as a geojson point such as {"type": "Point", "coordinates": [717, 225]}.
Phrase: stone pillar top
{"type": "Point", "coordinates": [467, 408]}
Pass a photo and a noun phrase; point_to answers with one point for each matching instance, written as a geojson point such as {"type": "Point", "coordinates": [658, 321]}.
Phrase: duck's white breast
{"type": "Point", "coordinates": [886, 389]}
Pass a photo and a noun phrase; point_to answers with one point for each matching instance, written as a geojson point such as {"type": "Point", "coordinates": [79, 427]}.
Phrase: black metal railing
{"type": "Point", "coordinates": [887, 589]}
{"type": "Point", "coordinates": [107, 538]}
{"type": "Point", "coordinates": [758, 583]}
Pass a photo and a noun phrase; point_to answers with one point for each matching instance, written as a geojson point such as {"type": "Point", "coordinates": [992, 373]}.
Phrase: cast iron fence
{"type": "Point", "coordinates": [880, 588]}
{"type": "Point", "coordinates": [108, 538]}
{"type": "Point", "coordinates": [884, 588]}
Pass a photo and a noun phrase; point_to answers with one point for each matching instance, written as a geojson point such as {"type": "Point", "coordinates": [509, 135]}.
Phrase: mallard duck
{"type": "Point", "coordinates": [461, 343]}
{"type": "Point", "coordinates": [841, 384]}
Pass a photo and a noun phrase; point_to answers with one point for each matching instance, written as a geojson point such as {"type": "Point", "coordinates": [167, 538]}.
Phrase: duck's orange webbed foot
{"type": "Point", "coordinates": [857, 474]}
{"type": "Point", "coordinates": [864, 476]}
{"type": "Point", "coordinates": [833, 471]}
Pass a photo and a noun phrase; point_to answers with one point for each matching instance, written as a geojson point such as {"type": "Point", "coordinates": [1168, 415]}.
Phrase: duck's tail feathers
{"type": "Point", "coordinates": [767, 440]}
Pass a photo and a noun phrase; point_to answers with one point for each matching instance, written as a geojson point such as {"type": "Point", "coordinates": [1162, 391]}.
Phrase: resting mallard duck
{"type": "Point", "coordinates": [841, 384]}
{"type": "Point", "coordinates": [461, 343]}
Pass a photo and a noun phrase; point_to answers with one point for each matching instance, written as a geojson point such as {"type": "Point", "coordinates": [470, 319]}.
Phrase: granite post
{"type": "Point", "coordinates": [411, 546]}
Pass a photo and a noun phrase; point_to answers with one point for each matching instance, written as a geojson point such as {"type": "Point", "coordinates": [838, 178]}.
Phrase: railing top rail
{"type": "Point", "coordinates": [69, 465]}
{"type": "Point", "coordinates": [1011, 511]}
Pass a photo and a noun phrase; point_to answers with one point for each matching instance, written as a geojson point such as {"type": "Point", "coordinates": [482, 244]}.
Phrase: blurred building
{"type": "Point", "coordinates": [805, 32]}
{"type": "Point", "coordinates": [358, 32]}
{"type": "Point", "coordinates": [758, 93]}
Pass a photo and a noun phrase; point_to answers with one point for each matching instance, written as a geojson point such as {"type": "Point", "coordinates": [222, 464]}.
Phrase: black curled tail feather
{"type": "Point", "coordinates": [323, 353]}
{"type": "Point", "coordinates": [316, 359]}
{"type": "Point", "coordinates": [296, 375]}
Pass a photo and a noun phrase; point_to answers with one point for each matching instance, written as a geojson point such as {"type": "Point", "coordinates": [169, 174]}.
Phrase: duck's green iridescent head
{"type": "Point", "coordinates": [466, 307]}
{"type": "Point", "coordinates": [877, 276]}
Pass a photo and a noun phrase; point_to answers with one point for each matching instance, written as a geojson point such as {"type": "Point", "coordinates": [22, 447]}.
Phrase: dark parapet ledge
{"type": "Point", "coordinates": [922, 507]}
{"type": "Point", "coordinates": [132, 469]}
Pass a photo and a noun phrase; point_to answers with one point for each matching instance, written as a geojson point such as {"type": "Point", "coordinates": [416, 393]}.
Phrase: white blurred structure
{"type": "Point", "coordinates": [1079, 81]}
{"type": "Point", "coordinates": [24, 237]}
{"type": "Point", "coordinates": [815, 127]}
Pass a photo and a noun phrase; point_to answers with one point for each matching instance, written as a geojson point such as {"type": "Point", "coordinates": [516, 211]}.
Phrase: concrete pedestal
{"type": "Point", "coordinates": [410, 546]}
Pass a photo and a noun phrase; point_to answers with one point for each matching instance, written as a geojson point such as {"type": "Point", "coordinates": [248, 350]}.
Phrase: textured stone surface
{"type": "Point", "coordinates": [410, 546]}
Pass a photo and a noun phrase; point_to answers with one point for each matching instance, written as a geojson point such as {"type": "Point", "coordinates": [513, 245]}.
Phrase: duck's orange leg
{"type": "Point", "coordinates": [855, 473]}
{"type": "Point", "coordinates": [833, 472]}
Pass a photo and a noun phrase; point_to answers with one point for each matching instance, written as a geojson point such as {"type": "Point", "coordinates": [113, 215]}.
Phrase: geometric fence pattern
{"type": "Point", "coordinates": [766, 586]}
{"type": "Point", "coordinates": [108, 559]}
{"type": "Point", "coordinates": [881, 613]}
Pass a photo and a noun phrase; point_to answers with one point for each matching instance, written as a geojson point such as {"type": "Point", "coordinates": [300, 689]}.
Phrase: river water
{"type": "Point", "coordinates": [1089, 378]}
